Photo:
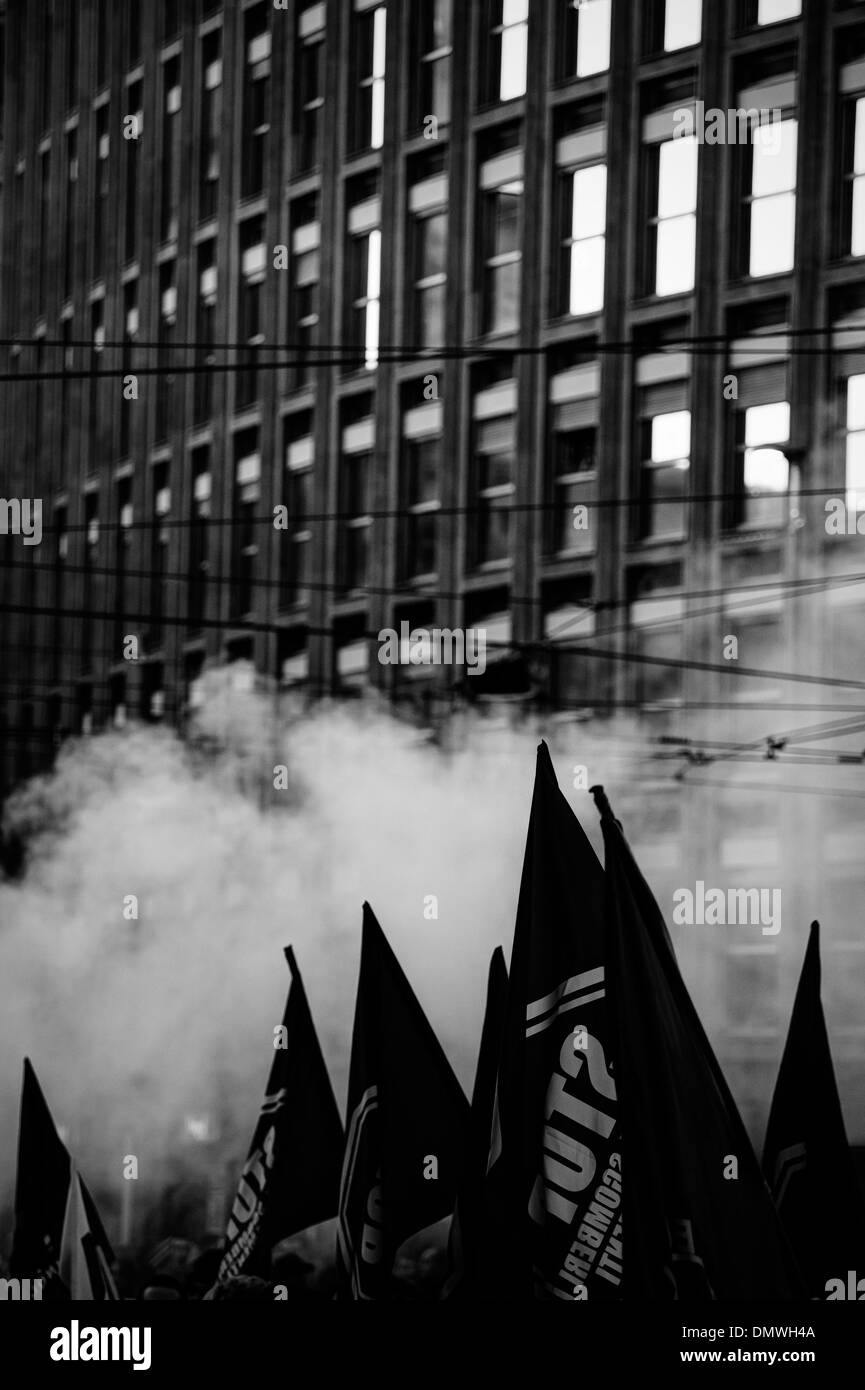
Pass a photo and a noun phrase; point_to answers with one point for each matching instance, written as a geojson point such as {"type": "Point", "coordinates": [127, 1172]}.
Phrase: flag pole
{"type": "Point", "coordinates": [603, 804]}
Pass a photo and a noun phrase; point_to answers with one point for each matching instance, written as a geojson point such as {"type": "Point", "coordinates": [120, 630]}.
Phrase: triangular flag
{"type": "Point", "coordinates": [41, 1190]}
{"type": "Point", "coordinates": [467, 1250]}
{"type": "Point", "coordinates": [698, 1218]}
{"type": "Point", "coordinates": [407, 1129]}
{"type": "Point", "coordinates": [554, 1182]}
{"type": "Point", "coordinates": [290, 1180]}
{"type": "Point", "coordinates": [806, 1154]}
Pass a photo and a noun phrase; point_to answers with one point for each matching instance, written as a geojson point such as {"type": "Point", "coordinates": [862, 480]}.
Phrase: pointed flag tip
{"type": "Point", "coordinates": [544, 763]}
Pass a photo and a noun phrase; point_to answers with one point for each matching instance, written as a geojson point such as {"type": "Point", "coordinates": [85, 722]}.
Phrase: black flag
{"type": "Point", "coordinates": [806, 1155]}
{"type": "Point", "coordinates": [698, 1218]}
{"type": "Point", "coordinates": [467, 1241]}
{"type": "Point", "coordinates": [86, 1256]}
{"type": "Point", "coordinates": [41, 1190]}
{"type": "Point", "coordinates": [407, 1128]}
{"type": "Point", "coordinates": [554, 1188]}
{"type": "Point", "coordinates": [291, 1176]}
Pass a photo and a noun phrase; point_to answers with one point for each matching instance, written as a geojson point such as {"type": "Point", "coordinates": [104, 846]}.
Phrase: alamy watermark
{"type": "Point", "coordinates": [845, 518]}
{"type": "Point", "coordinates": [715, 907]}
{"type": "Point", "coordinates": [20, 1290]}
{"type": "Point", "coordinates": [22, 516]}
{"type": "Point", "coordinates": [733, 126]}
{"type": "Point", "coordinates": [433, 646]}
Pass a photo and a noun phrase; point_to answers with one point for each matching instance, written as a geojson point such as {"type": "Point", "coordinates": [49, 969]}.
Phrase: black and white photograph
{"type": "Point", "coordinates": [432, 676]}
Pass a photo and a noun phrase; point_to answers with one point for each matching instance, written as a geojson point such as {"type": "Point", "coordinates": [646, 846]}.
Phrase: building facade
{"type": "Point", "coordinates": [319, 318]}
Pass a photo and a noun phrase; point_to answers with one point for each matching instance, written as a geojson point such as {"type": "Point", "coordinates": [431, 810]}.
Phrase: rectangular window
{"type": "Point", "coordinates": [773, 201]}
{"type": "Point", "coordinates": [773, 11]}
{"type": "Point", "coordinates": [582, 202]}
{"type": "Point", "coordinates": [100, 193]}
{"type": "Point", "coordinates": [762, 470]}
{"type": "Point", "coordinates": [68, 366]}
{"type": "Point", "coordinates": [133, 173]}
{"type": "Point", "coordinates": [250, 310]}
{"type": "Point", "coordinates": [122, 546]}
{"type": "Point", "coordinates": [159, 542]}
{"type": "Point", "coordinates": [851, 241]}
{"type": "Point", "coordinates": [44, 225]}
{"type": "Point", "coordinates": [171, 166]}
{"type": "Point", "coordinates": [47, 31]}
{"type": "Point", "coordinates": [18, 220]}
{"type": "Point", "coordinates": [854, 446]}
{"type": "Point", "coordinates": [152, 691]}
{"type": "Point", "coordinates": [501, 207]}
{"type": "Point", "coordinates": [665, 449]}
{"type": "Point", "coordinates": [493, 470]}
{"type": "Point", "coordinates": [420, 485]}
{"type": "Point", "coordinates": [505, 45]}
{"type": "Point", "coordinates": [101, 42]}
{"type": "Point", "coordinates": [682, 20]}
{"type": "Point", "coordinates": [309, 86]}
{"type": "Point", "coordinates": [71, 192]}
{"type": "Point", "coordinates": [130, 333]}
{"type": "Point", "coordinates": [427, 259]}
{"type": "Point", "coordinates": [211, 124]}
{"type": "Point", "coordinates": [97, 343]}
{"type": "Point", "coordinates": [756, 621]}
{"type": "Point", "coordinates": [304, 289]}
{"type": "Point", "coordinates": [205, 331]}
{"type": "Point", "coordinates": [37, 428]}
{"type": "Point", "coordinates": [247, 503]}
{"type": "Point", "coordinates": [368, 60]}
{"type": "Point", "coordinates": [164, 356]}
{"type": "Point", "coordinates": [758, 359]}
{"type": "Point", "coordinates": [117, 696]}
{"type": "Point", "coordinates": [133, 33]}
{"type": "Point", "coordinates": [432, 40]}
{"type": "Point", "coordinates": [199, 555]}
{"type": "Point", "coordinates": [170, 25]}
{"type": "Point", "coordinates": [572, 462]}
{"type": "Point", "coordinates": [256, 100]}
{"type": "Point", "coordinates": [673, 225]}
{"type": "Point", "coordinates": [670, 25]}
{"type": "Point", "coordinates": [295, 541]}
{"type": "Point", "coordinates": [766, 164]}
{"type": "Point", "coordinates": [351, 656]}
{"type": "Point", "coordinates": [91, 556]}
{"type": "Point", "coordinates": [357, 446]}
{"type": "Point", "coordinates": [363, 270]}
{"type": "Point", "coordinates": [61, 592]}
{"type": "Point", "coordinates": [655, 639]}
{"type": "Point", "coordinates": [72, 53]}
{"type": "Point", "coordinates": [582, 39]}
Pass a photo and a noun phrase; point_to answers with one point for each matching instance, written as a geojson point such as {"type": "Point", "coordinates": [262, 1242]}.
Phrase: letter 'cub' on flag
{"type": "Point", "coordinates": [291, 1177]}
{"type": "Point", "coordinates": [554, 1184]}
{"type": "Point", "coordinates": [806, 1154]}
{"type": "Point", "coordinates": [404, 1106]}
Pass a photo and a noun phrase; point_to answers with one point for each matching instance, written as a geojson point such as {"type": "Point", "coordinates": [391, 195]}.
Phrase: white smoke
{"type": "Point", "coordinates": [139, 1029]}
